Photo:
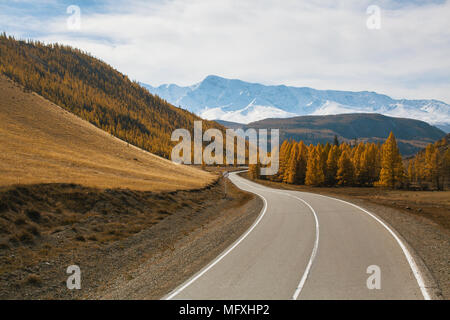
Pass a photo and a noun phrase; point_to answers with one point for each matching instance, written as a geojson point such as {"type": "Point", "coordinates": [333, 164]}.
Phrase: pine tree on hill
{"type": "Point", "coordinates": [96, 92]}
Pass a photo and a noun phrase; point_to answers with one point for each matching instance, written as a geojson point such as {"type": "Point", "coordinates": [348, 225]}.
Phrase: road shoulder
{"type": "Point", "coordinates": [427, 241]}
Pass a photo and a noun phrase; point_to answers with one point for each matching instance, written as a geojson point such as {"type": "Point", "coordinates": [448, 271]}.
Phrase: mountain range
{"type": "Point", "coordinates": [412, 135]}
{"type": "Point", "coordinates": [217, 98]}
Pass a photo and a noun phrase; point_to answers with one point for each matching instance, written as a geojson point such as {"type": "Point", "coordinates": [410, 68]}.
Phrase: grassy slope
{"type": "Point", "coordinates": [72, 192]}
{"type": "Point", "coordinates": [96, 92]}
{"type": "Point", "coordinates": [42, 143]}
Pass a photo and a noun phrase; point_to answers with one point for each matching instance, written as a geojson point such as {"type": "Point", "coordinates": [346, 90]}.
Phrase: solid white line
{"type": "Point", "coordinates": [203, 271]}
{"type": "Point", "coordinates": [316, 242]}
{"type": "Point", "coordinates": [313, 255]}
{"type": "Point", "coordinates": [409, 257]}
{"type": "Point", "coordinates": [414, 268]}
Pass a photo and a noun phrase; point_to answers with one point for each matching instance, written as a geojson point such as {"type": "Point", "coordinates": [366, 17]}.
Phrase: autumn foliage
{"type": "Point", "coordinates": [94, 91]}
{"type": "Point", "coordinates": [430, 168]}
{"type": "Point", "coordinates": [362, 164]}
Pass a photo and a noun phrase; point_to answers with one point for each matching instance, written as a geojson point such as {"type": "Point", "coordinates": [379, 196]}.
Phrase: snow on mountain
{"type": "Point", "coordinates": [244, 102]}
{"type": "Point", "coordinates": [248, 114]}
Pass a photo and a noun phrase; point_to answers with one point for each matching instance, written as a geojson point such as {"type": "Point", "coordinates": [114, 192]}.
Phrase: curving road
{"type": "Point", "coordinates": [307, 246]}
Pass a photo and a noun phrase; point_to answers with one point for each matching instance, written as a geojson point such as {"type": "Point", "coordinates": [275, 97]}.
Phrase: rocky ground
{"type": "Point", "coordinates": [128, 244]}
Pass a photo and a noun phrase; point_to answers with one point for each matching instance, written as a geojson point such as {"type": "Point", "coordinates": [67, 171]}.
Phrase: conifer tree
{"type": "Point", "coordinates": [357, 159]}
{"type": "Point", "coordinates": [446, 167]}
{"type": "Point", "coordinates": [368, 167]}
{"type": "Point", "coordinates": [392, 171]}
{"type": "Point", "coordinates": [419, 169]}
{"type": "Point", "coordinates": [314, 172]}
{"type": "Point", "coordinates": [292, 169]}
{"type": "Point", "coordinates": [435, 169]}
{"type": "Point", "coordinates": [282, 160]}
{"type": "Point", "coordinates": [411, 171]}
{"type": "Point", "coordinates": [336, 141]}
{"type": "Point", "coordinates": [332, 166]}
{"type": "Point", "coordinates": [254, 171]}
{"type": "Point", "coordinates": [345, 172]}
{"type": "Point", "coordinates": [323, 155]}
{"type": "Point", "coordinates": [286, 161]}
{"type": "Point", "coordinates": [302, 162]}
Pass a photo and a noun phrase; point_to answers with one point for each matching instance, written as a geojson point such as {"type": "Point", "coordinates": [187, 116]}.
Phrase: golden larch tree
{"type": "Point", "coordinates": [292, 168]}
{"type": "Point", "coordinates": [392, 171]}
{"type": "Point", "coordinates": [346, 171]}
{"type": "Point", "coordinates": [332, 166]}
{"type": "Point", "coordinates": [314, 172]}
{"type": "Point", "coordinates": [302, 162]}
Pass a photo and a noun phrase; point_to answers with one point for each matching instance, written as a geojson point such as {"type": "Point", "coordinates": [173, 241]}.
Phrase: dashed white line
{"type": "Point", "coordinates": [408, 255]}
{"type": "Point", "coordinates": [316, 242]}
{"type": "Point", "coordinates": [203, 271]}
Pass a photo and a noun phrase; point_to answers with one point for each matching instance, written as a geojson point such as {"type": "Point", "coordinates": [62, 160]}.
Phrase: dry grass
{"type": "Point", "coordinates": [42, 143]}
{"type": "Point", "coordinates": [46, 227]}
{"type": "Point", "coordinates": [69, 191]}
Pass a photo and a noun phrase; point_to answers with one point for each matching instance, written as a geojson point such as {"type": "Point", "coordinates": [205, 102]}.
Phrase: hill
{"type": "Point", "coordinates": [43, 143]}
{"type": "Point", "coordinates": [239, 101]}
{"type": "Point", "coordinates": [71, 193]}
{"type": "Point", "coordinates": [412, 135]}
{"type": "Point", "coordinates": [95, 92]}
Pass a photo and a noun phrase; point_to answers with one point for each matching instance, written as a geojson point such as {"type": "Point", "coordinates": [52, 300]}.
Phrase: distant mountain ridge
{"type": "Point", "coordinates": [412, 135]}
{"type": "Point", "coordinates": [239, 101]}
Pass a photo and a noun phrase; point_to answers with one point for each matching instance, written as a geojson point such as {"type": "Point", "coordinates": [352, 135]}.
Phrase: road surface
{"type": "Point", "coordinates": [308, 246]}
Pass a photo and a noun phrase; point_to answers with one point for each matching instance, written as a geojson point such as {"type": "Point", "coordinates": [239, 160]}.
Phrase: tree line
{"type": "Point", "coordinates": [96, 92]}
{"type": "Point", "coordinates": [361, 164]}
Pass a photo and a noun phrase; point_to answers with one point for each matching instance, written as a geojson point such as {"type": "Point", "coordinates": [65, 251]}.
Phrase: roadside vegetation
{"type": "Point", "coordinates": [361, 165]}
{"type": "Point", "coordinates": [71, 193]}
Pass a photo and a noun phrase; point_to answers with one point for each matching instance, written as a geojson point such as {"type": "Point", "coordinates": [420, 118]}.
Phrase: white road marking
{"type": "Point", "coordinates": [316, 242]}
{"type": "Point", "coordinates": [313, 255]}
{"type": "Point", "coordinates": [412, 264]}
{"type": "Point", "coordinates": [203, 271]}
{"type": "Point", "coordinates": [409, 257]}
{"type": "Point", "coordinates": [297, 292]}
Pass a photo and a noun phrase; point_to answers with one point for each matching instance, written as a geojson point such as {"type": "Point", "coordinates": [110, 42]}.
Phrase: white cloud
{"type": "Point", "coordinates": [322, 44]}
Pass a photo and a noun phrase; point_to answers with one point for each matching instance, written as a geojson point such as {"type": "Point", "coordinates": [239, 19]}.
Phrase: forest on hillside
{"type": "Point", "coordinates": [363, 165]}
{"type": "Point", "coordinates": [93, 90]}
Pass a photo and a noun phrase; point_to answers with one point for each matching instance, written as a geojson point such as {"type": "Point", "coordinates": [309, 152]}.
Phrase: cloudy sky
{"type": "Point", "coordinates": [324, 44]}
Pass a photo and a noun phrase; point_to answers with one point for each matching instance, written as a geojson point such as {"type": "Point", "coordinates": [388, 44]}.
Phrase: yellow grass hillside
{"type": "Point", "coordinates": [42, 143]}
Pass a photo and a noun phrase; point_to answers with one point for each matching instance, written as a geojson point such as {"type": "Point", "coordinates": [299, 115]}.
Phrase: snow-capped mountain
{"type": "Point", "coordinates": [244, 102]}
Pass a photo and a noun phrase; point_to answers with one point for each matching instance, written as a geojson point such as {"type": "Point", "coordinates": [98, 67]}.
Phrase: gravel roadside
{"type": "Point", "coordinates": [172, 244]}
{"type": "Point", "coordinates": [428, 237]}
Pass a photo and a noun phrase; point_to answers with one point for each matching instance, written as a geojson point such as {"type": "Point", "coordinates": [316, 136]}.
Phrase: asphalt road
{"type": "Point", "coordinates": [308, 246]}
